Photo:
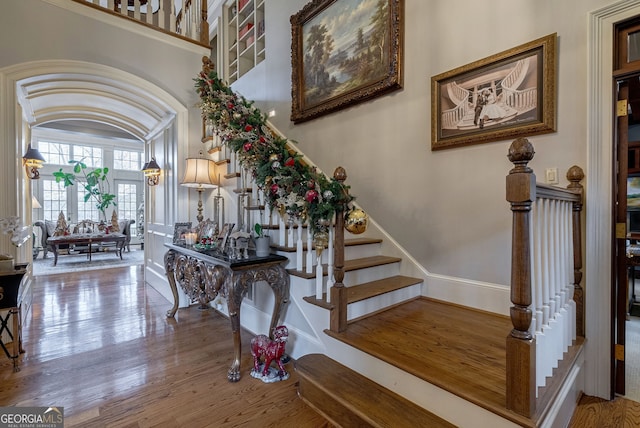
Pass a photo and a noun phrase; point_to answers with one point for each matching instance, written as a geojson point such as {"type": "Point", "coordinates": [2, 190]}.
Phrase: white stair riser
{"type": "Point", "coordinates": [367, 306]}
{"type": "Point", "coordinates": [374, 273]}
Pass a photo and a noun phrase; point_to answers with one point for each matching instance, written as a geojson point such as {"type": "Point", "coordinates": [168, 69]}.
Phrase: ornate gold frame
{"type": "Point", "coordinates": [302, 110]}
{"type": "Point", "coordinates": [541, 119]}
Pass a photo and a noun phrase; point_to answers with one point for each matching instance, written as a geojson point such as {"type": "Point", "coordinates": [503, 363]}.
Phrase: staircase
{"type": "Point", "coordinates": [399, 346]}
{"type": "Point", "coordinates": [349, 399]}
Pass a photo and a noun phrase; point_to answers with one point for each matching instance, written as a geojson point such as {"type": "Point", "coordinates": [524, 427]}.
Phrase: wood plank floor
{"type": "Point", "coordinates": [99, 345]}
{"type": "Point", "coordinates": [433, 342]}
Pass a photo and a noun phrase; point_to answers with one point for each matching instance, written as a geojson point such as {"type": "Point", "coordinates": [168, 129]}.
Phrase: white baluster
{"type": "Point", "coordinates": [282, 232]}
{"type": "Point", "coordinates": [161, 15]}
{"type": "Point", "coordinates": [172, 17]}
{"type": "Point", "coordinates": [299, 248]}
{"type": "Point", "coordinates": [290, 241]}
{"type": "Point", "coordinates": [310, 249]}
{"type": "Point", "coordinates": [330, 279]}
{"type": "Point", "coordinates": [136, 9]}
{"type": "Point", "coordinates": [319, 282]}
{"type": "Point", "coordinates": [149, 13]}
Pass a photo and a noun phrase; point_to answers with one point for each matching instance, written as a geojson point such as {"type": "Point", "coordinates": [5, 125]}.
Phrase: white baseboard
{"type": "Point", "coordinates": [476, 294]}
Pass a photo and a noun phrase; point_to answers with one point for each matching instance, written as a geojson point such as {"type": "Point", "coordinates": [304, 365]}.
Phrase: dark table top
{"type": "Point", "coordinates": [215, 257]}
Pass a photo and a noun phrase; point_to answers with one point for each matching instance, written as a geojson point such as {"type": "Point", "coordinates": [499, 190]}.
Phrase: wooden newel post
{"type": "Point", "coordinates": [204, 24]}
{"type": "Point", "coordinates": [338, 317]}
{"type": "Point", "coordinates": [575, 175]}
{"type": "Point", "coordinates": [521, 193]}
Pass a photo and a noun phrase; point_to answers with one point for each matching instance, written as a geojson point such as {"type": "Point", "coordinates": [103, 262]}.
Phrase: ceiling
{"type": "Point", "coordinates": [92, 103]}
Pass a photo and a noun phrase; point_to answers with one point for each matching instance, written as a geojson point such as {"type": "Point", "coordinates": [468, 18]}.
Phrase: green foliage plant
{"type": "Point", "coordinates": [94, 182]}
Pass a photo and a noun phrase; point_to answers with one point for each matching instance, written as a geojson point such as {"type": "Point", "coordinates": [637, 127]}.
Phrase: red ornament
{"type": "Point", "coordinates": [247, 147]}
{"type": "Point", "coordinates": [274, 188]}
{"type": "Point", "coordinates": [248, 128]}
{"type": "Point", "coordinates": [230, 106]}
{"type": "Point", "coordinates": [311, 196]}
{"type": "Point", "coordinates": [290, 162]}
{"type": "Point", "coordinates": [262, 139]}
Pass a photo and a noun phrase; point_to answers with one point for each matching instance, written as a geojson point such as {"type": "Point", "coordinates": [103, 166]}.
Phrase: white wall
{"type": "Point", "coordinates": [65, 34]}
{"type": "Point", "coordinates": [447, 208]}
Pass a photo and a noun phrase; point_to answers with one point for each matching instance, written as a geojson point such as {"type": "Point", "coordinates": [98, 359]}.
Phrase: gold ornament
{"type": "Point", "coordinates": [320, 240]}
{"type": "Point", "coordinates": [355, 221]}
{"type": "Point", "coordinates": [273, 157]}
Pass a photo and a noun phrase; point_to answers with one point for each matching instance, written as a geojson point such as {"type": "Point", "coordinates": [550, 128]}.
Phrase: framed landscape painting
{"type": "Point", "coordinates": [344, 52]}
{"type": "Point", "coordinates": [507, 95]}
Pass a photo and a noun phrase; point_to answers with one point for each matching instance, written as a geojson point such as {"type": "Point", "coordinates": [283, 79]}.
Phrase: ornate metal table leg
{"type": "Point", "coordinates": [278, 280]}
{"type": "Point", "coordinates": [236, 286]}
{"type": "Point", "coordinates": [170, 268]}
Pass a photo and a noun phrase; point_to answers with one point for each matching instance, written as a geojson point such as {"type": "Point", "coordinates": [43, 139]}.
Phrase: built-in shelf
{"type": "Point", "coordinates": [245, 37]}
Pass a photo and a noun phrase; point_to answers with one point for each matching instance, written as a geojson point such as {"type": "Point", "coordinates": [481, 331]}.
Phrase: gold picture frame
{"type": "Point", "coordinates": [329, 40]}
{"type": "Point", "coordinates": [504, 96]}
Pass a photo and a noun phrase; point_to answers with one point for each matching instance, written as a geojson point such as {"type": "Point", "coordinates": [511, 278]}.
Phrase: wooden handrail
{"type": "Point", "coordinates": [522, 191]}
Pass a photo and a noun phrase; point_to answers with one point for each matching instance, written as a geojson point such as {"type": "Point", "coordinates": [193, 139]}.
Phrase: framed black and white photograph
{"type": "Point", "coordinates": [507, 95]}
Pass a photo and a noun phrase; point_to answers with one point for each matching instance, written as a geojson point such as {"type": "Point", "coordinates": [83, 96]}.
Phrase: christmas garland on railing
{"type": "Point", "coordinates": [290, 186]}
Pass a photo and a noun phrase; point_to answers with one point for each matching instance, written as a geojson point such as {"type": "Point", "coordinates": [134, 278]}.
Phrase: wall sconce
{"type": "Point", "coordinates": [152, 170]}
{"type": "Point", "coordinates": [32, 161]}
{"type": "Point", "coordinates": [200, 174]}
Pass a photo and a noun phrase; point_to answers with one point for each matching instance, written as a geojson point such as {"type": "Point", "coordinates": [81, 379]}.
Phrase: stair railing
{"type": "Point", "coordinates": [547, 313]}
{"type": "Point", "coordinates": [190, 23]}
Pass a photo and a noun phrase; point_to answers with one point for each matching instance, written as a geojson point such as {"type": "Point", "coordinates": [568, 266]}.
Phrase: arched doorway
{"type": "Point", "coordinates": [47, 91]}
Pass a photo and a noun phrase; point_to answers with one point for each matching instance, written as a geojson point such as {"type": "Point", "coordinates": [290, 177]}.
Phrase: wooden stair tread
{"type": "Point", "coordinates": [347, 242]}
{"type": "Point", "coordinates": [434, 341]}
{"type": "Point", "coordinates": [355, 293]}
{"type": "Point", "coordinates": [347, 398]}
{"type": "Point", "coordinates": [367, 290]}
{"type": "Point", "coordinates": [349, 265]}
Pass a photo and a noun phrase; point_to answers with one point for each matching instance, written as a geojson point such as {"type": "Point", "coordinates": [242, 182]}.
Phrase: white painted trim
{"type": "Point", "coordinates": [475, 294]}
{"type": "Point", "coordinates": [598, 195]}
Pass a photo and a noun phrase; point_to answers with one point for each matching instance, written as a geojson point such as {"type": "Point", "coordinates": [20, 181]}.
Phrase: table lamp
{"type": "Point", "coordinates": [200, 174]}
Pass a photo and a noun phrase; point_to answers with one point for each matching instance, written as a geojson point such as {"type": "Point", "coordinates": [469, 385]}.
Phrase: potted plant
{"type": "Point", "coordinates": [263, 242]}
{"type": "Point", "coordinates": [96, 185]}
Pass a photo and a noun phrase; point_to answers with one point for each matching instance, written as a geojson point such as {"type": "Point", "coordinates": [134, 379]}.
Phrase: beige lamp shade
{"type": "Point", "coordinates": [35, 204]}
{"type": "Point", "coordinates": [200, 173]}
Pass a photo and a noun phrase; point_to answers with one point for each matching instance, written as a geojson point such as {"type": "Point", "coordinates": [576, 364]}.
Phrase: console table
{"type": "Point", "coordinates": [9, 300]}
{"type": "Point", "coordinates": [203, 275]}
{"type": "Point", "coordinates": [86, 239]}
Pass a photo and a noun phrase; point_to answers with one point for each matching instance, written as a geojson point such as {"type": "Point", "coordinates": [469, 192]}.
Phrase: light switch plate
{"type": "Point", "coordinates": [551, 175]}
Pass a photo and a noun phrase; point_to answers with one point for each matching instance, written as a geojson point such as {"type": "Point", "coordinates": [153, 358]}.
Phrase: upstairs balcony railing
{"type": "Point", "coordinates": [185, 19]}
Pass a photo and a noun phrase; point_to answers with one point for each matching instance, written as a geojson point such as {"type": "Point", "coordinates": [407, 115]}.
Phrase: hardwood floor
{"type": "Point", "coordinates": [595, 412]}
{"type": "Point", "coordinates": [99, 345]}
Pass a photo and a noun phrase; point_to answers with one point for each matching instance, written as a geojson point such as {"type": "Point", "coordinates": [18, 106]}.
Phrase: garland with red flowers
{"type": "Point", "coordinates": [290, 186]}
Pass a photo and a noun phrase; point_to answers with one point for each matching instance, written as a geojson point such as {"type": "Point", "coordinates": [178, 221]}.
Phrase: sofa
{"type": "Point", "coordinates": [48, 229]}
